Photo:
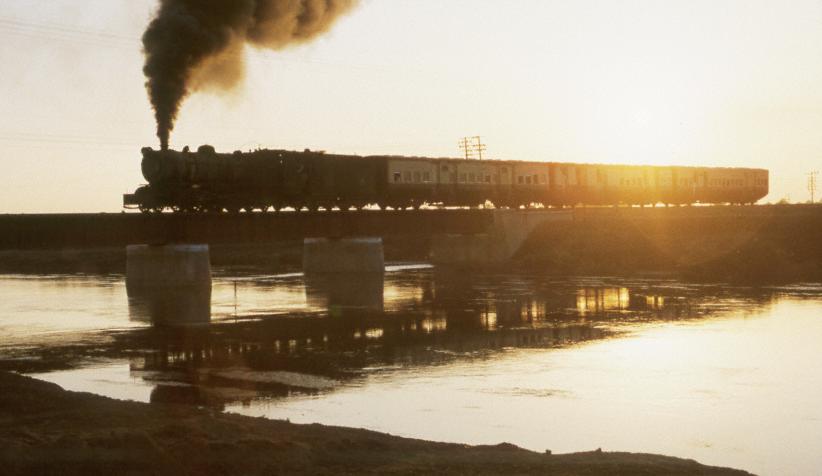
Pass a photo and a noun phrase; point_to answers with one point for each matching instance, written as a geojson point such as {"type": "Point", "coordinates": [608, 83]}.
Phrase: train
{"type": "Point", "coordinates": [272, 180]}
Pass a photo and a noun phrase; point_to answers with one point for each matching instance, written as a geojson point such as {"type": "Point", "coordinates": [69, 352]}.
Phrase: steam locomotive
{"type": "Point", "coordinates": [207, 181]}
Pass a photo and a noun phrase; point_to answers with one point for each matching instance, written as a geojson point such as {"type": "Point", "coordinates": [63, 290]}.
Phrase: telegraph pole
{"type": "Point", "coordinates": [463, 143]}
{"type": "Point", "coordinates": [812, 184]}
{"type": "Point", "coordinates": [472, 146]}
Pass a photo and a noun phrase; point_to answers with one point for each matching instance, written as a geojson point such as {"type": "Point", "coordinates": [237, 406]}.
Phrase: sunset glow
{"type": "Point", "coordinates": [638, 82]}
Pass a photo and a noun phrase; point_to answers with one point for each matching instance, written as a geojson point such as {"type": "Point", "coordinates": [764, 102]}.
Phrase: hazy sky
{"type": "Point", "coordinates": [715, 82]}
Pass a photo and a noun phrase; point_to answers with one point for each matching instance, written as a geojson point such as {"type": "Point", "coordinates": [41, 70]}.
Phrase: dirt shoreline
{"type": "Point", "coordinates": [47, 430]}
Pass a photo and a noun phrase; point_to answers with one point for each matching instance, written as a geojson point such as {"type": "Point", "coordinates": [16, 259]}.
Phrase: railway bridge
{"type": "Point", "coordinates": [95, 230]}
{"type": "Point", "coordinates": [470, 236]}
{"type": "Point", "coordinates": [333, 240]}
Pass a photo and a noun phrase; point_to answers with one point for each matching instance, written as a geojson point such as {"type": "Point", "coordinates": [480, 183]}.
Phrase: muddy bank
{"type": "Point", "coordinates": [755, 245]}
{"type": "Point", "coordinates": [46, 430]}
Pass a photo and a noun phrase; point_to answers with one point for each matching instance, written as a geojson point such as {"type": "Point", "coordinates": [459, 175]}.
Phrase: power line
{"type": "Point", "coordinates": [812, 184]}
{"type": "Point", "coordinates": [105, 38]}
{"type": "Point", "coordinates": [66, 33]}
{"type": "Point", "coordinates": [56, 27]}
{"type": "Point", "coordinates": [44, 138]}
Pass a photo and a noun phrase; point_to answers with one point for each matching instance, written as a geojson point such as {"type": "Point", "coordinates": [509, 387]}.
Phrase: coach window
{"type": "Point", "coordinates": [542, 179]}
{"type": "Point", "coordinates": [426, 176]}
{"type": "Point", "coordinates": [462, 178]}
{"type": "Point", "coordinates": [472, 177]}
{"type": "Point", "coordinates": [397, 177]}
{"type": "Point", "coordinates": [520, 180]}
{"type": "Point", "coordinates": [407, 176]}
{"type": "Point", "coordinates": [416, 177]}
{"type": "Point", "coordinates": [528, 180]}
{"type": "Point", "coordinates": [445, 168]}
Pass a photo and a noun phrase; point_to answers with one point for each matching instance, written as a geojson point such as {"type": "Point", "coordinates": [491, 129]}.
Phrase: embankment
{"type": "Point", "coordinates": [46, 430]}
{"type": "Point", "coordinates": [762, 244]}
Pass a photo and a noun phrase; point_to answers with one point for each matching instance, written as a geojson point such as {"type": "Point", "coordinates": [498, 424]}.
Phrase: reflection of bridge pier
{"type": "Point", "coordinates": [345, 291]}
{"type": "Point", "coordinates": [170, 306]}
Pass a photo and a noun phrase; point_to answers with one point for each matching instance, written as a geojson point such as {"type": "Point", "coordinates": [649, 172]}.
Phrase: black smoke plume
{"type": "Point", "coordinates": [194, 44]}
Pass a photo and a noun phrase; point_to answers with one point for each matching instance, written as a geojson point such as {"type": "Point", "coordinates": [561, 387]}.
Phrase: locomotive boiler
{"type": "Point", "coordinates": [207, 181]}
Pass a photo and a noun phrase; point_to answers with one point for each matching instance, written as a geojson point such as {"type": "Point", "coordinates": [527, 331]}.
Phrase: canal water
{"type": "Point", "coordinates": [721, 374]}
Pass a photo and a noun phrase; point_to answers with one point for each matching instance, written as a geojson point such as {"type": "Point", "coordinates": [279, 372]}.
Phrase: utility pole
{"type": "Point", "coordinates": [812, 184]}
{"type": "Point", "coordinates": [463, 143]}
{"type": "Point", "coordinates": [472, 146]}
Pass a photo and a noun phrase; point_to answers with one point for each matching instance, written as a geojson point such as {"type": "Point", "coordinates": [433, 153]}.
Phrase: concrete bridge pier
{"type": "Point", "coordinates": [343, 255]}
{"type": "Point", "coordinates": [499, 243]}
{"type": "Point", "coordinates": [169, 284]}
{"type": "Point", "coordinates": [344, 273]}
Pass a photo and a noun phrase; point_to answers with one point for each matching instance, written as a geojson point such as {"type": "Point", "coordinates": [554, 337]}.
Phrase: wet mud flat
{"type": "Point", "coordinates": [47, 430]}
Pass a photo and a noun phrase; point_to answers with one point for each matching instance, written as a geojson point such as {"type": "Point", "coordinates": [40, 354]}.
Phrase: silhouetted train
{"type": "Point", "coordinates": [275, 179]}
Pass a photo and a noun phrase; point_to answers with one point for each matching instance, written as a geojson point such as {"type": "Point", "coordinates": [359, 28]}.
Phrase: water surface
{"type": "Point", "coordinates": [725, 375]}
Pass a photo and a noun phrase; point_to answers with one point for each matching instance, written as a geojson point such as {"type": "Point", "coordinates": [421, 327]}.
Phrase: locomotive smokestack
{"type": "Point", "coordinates": [196, 44]}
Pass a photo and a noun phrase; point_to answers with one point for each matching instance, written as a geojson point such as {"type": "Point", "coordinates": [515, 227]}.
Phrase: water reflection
{"type": "Point", "coordinates": [170, 306]}
{"type": "Point", "coordinates": [344, 320]}
{"type": "Point", "coordinates": [315, 354]}
{"type": "Point", "coordinates": [273, 336]}
{"type": "Point", "coordinates": [432, 318]}
{"type": "Point", "coordinates": [343, 292]}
